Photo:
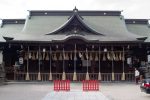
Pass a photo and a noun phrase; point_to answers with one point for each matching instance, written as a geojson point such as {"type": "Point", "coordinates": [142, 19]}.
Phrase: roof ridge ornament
{"type": "Point", "coordinates": [75, 13]}
{"type": "Point", "coordinates": [75, 9]}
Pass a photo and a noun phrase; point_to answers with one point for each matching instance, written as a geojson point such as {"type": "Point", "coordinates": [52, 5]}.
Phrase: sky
{"type": "Point", "coordinates": [138, 9]}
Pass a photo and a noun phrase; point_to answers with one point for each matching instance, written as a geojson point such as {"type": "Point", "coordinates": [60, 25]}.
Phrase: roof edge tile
{"type": "Point", "coordinates": [69, 12]}
{"type": "Point", "coordinates": [136, 21]}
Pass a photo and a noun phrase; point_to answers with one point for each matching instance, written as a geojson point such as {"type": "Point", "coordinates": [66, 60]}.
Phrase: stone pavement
{"type": "Point", "coordinates": [75, 95]}
{"type": "Point", "coordinates": [40, 91]}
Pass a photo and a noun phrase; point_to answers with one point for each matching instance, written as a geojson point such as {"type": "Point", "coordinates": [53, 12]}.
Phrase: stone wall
{"type": "Point", "coordinates": [2, 74]}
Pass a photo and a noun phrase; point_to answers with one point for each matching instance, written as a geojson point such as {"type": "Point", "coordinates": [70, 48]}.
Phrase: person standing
{"type": "Point", "coordinates": [137, 73]}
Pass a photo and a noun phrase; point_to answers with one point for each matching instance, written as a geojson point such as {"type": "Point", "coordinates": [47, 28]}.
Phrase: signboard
{"type": "Point", "coordinates": [148, 58]}
{"type": "Point", "coordinates": [21, 60]}
{"type": "Point", "coordinates": [84, 63]}
{"type": "Point", "coordinates": [129, 60]}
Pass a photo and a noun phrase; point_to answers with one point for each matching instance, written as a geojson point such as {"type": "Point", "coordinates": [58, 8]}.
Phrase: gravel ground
{"type": "Point", "coordinates": [38, 91]}
{"type": "Point", "coordinates": [124, 91]}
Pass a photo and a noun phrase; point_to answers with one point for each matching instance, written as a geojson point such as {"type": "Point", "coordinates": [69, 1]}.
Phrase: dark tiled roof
{"type": "Point", "coordinates": [136, 21]}
{"type": "Point", "coordinates": [107, 23]}
{"type": "Point", "coordinates": [13, 21]}
{"type": "Point", "coordinates": [68, 13]}
{"type": "Point", "coordinates": [11, 27]}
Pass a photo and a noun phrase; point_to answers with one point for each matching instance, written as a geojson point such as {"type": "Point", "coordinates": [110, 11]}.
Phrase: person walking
{"type": "Point", "coordinates": [137, 73]}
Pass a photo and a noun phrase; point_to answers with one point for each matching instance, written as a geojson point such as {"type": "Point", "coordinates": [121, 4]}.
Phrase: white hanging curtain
{"type": "Point", "coordinates": [87, 56]}
{"type": "Point", "coordinates": [82, 58]}
{"type": "Point", "coordinates": [40, 55]}
{"type": "Point", "coordinates": [30, 55]}
{"type": "Point", "coordinates": [75, 52]}
{"type": "Point", "coordinates": [123, 57]}
{"type": "Point", "coordinates": [117, 57]}
{"type": "Point", "coordinates": [120, 56]}
{"type": "Point", "coordinates": [26, 56]}
{"type": "Point", "coordinates": [67, 56]}
{"type": "Point", "coordinates": [37, 55]}
{"type": "Point", "coordinates": [108, 56]}
{"type": "Point", "coordinates": [47, 56]}
{"type": "Point", "coordinates": [33, 56]}
{"type": "Point", "coordinates": [113, 56]}
{"type": "Point", "coordinates": [71, 56]}
{"type": "Point", "coordinates": [55, 56]}
{"type": "Point", "coordinates": [64, 56]}
{"type": "Point", "coordinates": [96, 56]}
{"type": "Point", "coordinates": [43, 55]}
{"type": "Point", "coordinates": [104, 57]}
{"type": "Point", "coordinates": [60, 57]}
{"type": "Point", "coordinates": [91, 58]}
{"type": "Point", "coordinates": [80, 55]}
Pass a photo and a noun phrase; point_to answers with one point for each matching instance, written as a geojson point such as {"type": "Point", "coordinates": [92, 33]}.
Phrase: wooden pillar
{"type": "Point", "coordinates": [27, 74]}
{"type": "Point", "coordinates": [50, 64]}
{"type": "Point", "coordinates": [113, 76]}
{"type": "Point", "coordinates": [93, 64]}
{"type": "Point", "coordinates": [99, 74]}
{"type": "Point", "coordinates": [75, 58]}
{"type": "Point", "coordinates": [87, 73]}
{"type": "Point", "coordinates": [64, 74]}
{"type": "Point", "coordinates": [39, 73]}
{"type": "Point", "coordinates": [123, 58]}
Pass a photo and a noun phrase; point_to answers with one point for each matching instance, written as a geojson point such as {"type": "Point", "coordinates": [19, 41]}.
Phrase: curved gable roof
{"type": "Point", "coordinates": [77, 21]}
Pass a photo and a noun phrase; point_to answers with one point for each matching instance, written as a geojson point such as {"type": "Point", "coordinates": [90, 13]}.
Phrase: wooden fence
{"type": "Point", "coordinates": [106, 77]}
